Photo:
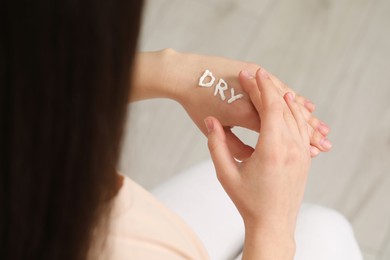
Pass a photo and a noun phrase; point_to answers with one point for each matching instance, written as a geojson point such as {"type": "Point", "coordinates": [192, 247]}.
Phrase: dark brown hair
{"type": "Point", "coordinates": [64, 85]}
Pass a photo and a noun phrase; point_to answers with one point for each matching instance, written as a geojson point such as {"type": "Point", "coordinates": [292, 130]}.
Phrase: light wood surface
{"type": "Point", "coordinates": [335, 52]}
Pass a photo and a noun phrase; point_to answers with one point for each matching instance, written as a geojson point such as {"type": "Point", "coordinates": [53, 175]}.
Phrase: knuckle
{"type": "Point", "coordinates": [294, 153]}
{"type": "Point", "coordinates": [310, 130]}
{"type": "Point", "coordinates": [289, 154]}
{"type": "Point", "coordinates": [297, 154]}
{"type": "Point", "coordinates": [318, 137]}
{"type": "Point", "coordinates": [307, 129]}
{"type": "Point", "coordinates": [213, 146]}
{"type": "Point", "coordinates": [274, 106]}
{"type": "Point", "coordinates": [273, 158]}
{"type": "Point", "coordinates": [313, 121]}
{"type": "Point", "coordinates": [306, 113]}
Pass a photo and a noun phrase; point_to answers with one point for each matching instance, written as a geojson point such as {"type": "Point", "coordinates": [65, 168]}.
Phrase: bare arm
{"type": "Point", "coordinates": [175, 75]}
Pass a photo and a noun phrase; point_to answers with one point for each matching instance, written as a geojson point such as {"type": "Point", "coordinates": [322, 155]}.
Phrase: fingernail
{"type": "Point", "coordinates": [247, 74]}
{"type": "Point", "coordinates": [290, 96]}
{"type": "Point", "coordinates": [325, 126]}
{"type": "Point", "coordinates": [323, 129]}
{"type": "Point", "coordinates": [264, 73]}
{"type": "Point", "coordinates": [314, 151]}
{"type": "Point", "coordinates": [209, 125]}
{"type": "Point", "coordinates": [325, 143]}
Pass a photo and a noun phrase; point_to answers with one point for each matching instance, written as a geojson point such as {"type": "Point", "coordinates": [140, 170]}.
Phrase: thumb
{"type": "Point", "coordinates": [225, 166]}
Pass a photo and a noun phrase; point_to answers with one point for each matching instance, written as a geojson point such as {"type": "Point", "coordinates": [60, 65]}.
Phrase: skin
{"type": "Point", "coordinates": [268, 187]}
{"type": "Point", "coordinates": [174, 75]}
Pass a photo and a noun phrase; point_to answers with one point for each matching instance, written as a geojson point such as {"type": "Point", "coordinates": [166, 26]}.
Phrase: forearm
{"type": "Point", "coordinates": [160, 74]}
{"type": "Point", "coordinates": [171, 74]}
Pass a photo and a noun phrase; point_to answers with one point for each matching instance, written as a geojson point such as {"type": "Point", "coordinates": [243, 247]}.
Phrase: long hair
{"type": "Point", "coordinates": [64, 85]}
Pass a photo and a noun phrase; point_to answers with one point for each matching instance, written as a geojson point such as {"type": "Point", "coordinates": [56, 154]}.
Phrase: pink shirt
{"type": "Point", "coordinates": [143, 228]}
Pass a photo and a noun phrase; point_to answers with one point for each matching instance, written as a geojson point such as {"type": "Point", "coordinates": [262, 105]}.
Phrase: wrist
{"type": "Point", "coordinates": [268, 242]}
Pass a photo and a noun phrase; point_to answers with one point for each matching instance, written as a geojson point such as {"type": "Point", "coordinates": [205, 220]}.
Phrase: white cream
{"type": "Point", "coordinates": [202, 79]}
{"type": "Point", "coordinates": [220, 88]}
{"type": "Point", "coordinates": [234, 97]}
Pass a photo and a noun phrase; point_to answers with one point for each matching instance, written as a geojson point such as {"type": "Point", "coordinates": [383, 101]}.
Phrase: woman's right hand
{"type": "Point", "coordinates": [268, 187]}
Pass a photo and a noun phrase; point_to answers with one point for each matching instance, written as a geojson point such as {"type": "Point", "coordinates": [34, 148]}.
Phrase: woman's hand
{"type": "Point", "coordinates": [200, 102]}
{"type": "Point", "coordinates": [268, 187]}
{"type": "Point", "coordinates": [175, 75]}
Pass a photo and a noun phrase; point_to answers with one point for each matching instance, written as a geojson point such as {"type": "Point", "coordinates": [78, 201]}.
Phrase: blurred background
{"type": "Point", "coordinates": [335, 52]}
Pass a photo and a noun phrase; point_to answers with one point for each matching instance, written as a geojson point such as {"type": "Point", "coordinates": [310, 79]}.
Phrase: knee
{"type": "Point", "coordinates": [324, 233]}
{"type": "Point", "coordinates": [324, 219]}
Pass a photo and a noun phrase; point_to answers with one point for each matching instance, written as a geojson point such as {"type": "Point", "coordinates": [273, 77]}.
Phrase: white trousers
{"type": "Point", "coordinates": [197, 197]}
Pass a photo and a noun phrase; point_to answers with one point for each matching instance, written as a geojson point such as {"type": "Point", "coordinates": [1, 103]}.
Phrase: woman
{"type": "Point", "coordinates": [65, 70]}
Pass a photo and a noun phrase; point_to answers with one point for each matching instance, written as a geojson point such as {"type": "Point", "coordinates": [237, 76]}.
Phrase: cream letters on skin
{"type": "Point", "coordinates": [202, 79]}
{"type": "Point", "coordinates": [220, 88]}
{"type": "Point", "coordinates": [234, 97]}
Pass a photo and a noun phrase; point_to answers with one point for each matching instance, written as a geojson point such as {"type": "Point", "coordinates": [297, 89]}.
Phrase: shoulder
{"type": "Point", "coordinates": [141, 227]}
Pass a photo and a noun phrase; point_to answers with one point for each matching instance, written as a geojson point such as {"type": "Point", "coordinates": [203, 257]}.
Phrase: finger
{"type": "Point", "coordinates": [225, 166]}
{"type": "Point", "coordinates": [298, 116]}
{"type": "Point", "coordinates": [317, 130]}
{"type": "Point", "coordinates": [309, 105]}
{"type": "Point", "coordinates": [320, 126]}
{"type": "Point", "coordinates": [249, 85]}
{"type": "Point", "coordinates": [321, 142]}
{"type": "Point", "coordinates": [316, 139]}
{"type": "Point", "coordinates": [281, 86]}
{"type": "Point", "coordinates": [239, 150]}
{"type": "Point", "coordinates": [323, 128]}
{"type": "Point", "coordinates": [314, 151]}
{"type": "Point", "coordinates": [270, 98]}
{"type": "Point", "coordinates": [315, 123]}
{"type": "Point", "coordinates": [304, 102]}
